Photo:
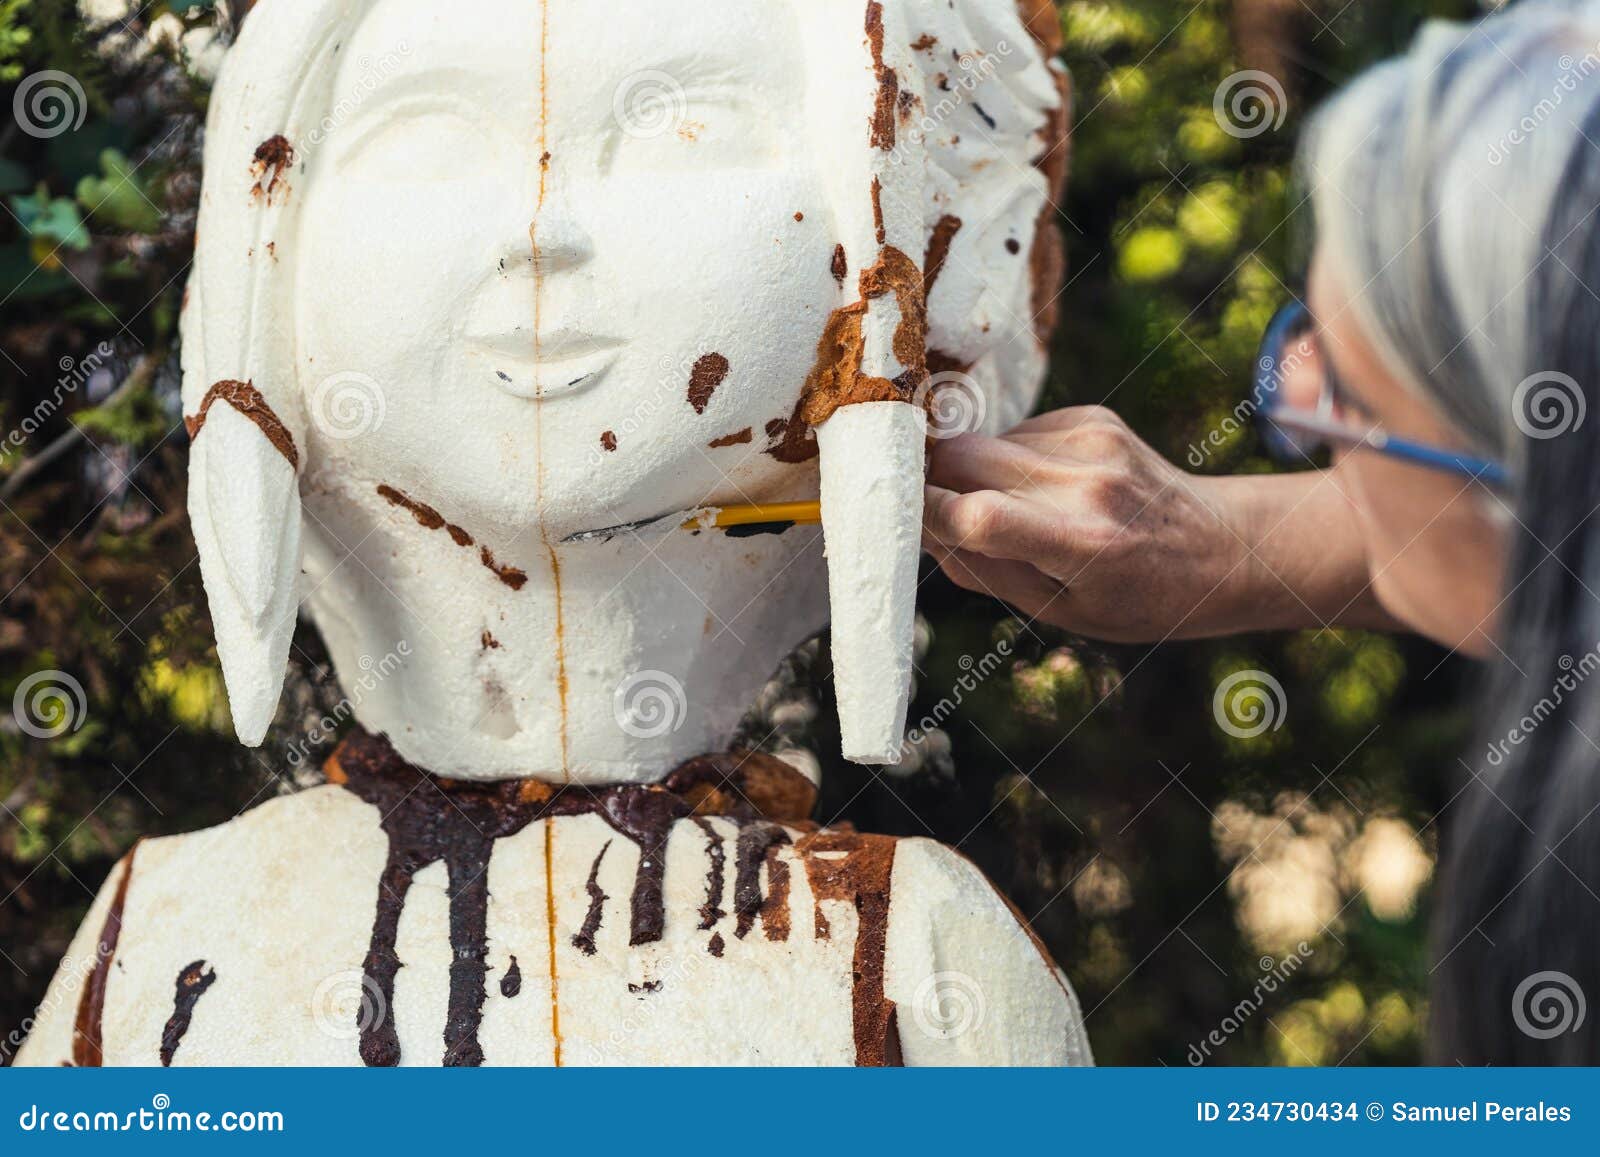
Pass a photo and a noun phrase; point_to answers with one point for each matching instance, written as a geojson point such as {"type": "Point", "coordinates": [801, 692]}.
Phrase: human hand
{"type": "Point", "coordinates": [1075, 521]}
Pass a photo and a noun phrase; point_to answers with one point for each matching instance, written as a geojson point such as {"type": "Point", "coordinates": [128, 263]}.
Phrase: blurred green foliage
{"type": "Point", "coordinates": [1169, 865]}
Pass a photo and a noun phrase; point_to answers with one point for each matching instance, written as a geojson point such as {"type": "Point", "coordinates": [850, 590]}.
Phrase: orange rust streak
{"type": "Point", "coordinates": [550, 921]}
{"type": "Point", "coordinates": [561, 648]}
{"type": "Point", "coordinates": [538, 309]}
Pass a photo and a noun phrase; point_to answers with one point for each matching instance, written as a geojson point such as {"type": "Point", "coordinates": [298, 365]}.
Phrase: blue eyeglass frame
{"type": "Point", "coordinates": [1284, 428]}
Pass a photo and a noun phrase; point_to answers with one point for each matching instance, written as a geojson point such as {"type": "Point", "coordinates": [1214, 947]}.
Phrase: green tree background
{"type": "Point", "coordinates": [1268, 892]}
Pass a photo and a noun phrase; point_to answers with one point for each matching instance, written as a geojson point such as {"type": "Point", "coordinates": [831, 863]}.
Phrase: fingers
{"type": "Point", "coordinates": [989, 522]}
{"type": "Point", "coordinates": [975, 462]}
{"type": "Point", "coordinates": [1016, 583]}
{"type": "Point", "coordinates": [1067, 418]}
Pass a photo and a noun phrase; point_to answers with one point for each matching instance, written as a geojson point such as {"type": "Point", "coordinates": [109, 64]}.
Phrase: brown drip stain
{"type": "Point", "coordinates": [716, 867]}
{"type": "Point", "coordinates": [272, 157]}
{"type": "Point", "coordinates": [840, 265]}
{"type": "Point", "coordinates": [583, 939]}
{"type": "Point", "coordinates": [790, 440]}
{"type": "Point", "coordinates": [775, 908]}
{"type": "Point", "coordinates": [924, 42]}
{"type": "Point", "coordinates": [513, 577]}
{"type": "Point", "coordinates": [882, 122]}
{"type": "Point", "coordinates": [647, 820]}
{"type": "Point", "coordinates": [245, 398]}
{"type": "Point", "coordinates": [857, 870]}
{"type": "Point", "coordinates": [88, 1049]}
{"type": "Point", "coordinates": [421, 832]}
{"type": "Point", "coordinates": [715, 945]}
{"type": "Point", "coordinates": [511, 982]}
{"type": "Point", "coordinates": [877, 210]}
{"type": "Point", "coordinates": [488, 641]}
{"type": "Point", "coordinates": [430, 519]}
{"type": "Point", "coordinates": [427, 517]}
{"type": "Point", "coordinates": [461, 830]}
{"type": "Point", "coordinates": [191, 986]}
{"type": "Point", "coordinates": [755, 841]}
{"type": "Point", "coordinates": [705, 377]}
{"type": "Point", "coordinates": [944, 233]}
{"type": "Point", "coordinates": [608, 440]}
{"type": "Point", "coordinates": [738, 438]}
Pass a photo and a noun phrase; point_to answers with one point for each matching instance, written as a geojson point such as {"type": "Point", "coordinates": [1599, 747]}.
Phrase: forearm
{"type": "Point", "coordinates": [1303, 562]}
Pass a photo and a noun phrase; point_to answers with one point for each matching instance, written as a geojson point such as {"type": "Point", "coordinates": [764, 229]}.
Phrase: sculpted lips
{"type": "Point", "coordinates": [564, 361]}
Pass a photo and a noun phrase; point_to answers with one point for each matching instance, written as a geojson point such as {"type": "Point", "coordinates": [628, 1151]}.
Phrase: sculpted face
{"type": "Point", "coordinates": [474, 281]}
{"type": "Point", "coordinates": [541, 230]}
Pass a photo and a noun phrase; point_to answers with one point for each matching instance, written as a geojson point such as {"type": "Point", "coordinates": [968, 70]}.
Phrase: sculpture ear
{"type": "Point", "coordinates": [871, 458]}
{"type": "Point", "coordinates": [241, 395]}
{"type": "Point", "coordinates": [871, 434]}
{"type": "Point", "coordinates": [244, 504]}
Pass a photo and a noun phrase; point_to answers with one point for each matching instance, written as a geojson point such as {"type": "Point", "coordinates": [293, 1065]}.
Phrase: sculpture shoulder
{"type": "Point", "coordinates": [268, 880]}
{"type": "Point", "coordinates": [974, 986]}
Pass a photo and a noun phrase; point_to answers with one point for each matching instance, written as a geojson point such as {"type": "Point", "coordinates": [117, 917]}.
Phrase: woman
{"type": "Point", "coordinates": [1453, 356]}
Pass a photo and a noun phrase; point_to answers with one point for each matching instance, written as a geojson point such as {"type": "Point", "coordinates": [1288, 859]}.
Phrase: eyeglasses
{"type": "Point", "coordinates": [1294, 434]}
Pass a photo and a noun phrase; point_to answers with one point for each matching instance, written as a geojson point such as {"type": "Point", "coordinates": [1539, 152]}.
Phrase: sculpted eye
{"type": "Point", "coordinates": [418, 146]}
{"type": "Point", "coordinates": [659, 126]}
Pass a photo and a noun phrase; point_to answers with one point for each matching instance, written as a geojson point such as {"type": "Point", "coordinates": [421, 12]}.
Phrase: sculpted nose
{"type": "Point", "coordinates": [556, 239]}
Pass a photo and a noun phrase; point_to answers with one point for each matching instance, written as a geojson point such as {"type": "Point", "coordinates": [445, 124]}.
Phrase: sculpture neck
{"type": "Point", "coordinates": [496, 653]}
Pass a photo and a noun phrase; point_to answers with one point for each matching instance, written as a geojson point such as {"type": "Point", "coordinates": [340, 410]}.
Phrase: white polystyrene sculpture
{"type": "Point", "coordinates": [473, 279]}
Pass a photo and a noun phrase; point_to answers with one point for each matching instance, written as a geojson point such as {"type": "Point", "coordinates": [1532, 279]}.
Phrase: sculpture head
{"type": "Point", "coordinates": [474, 281]}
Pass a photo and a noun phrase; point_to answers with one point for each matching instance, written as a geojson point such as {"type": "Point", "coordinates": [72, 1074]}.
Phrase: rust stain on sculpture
{"type": "Point", "coordinates": [944, 232]}
{"type": "Point", "coordinates": [88, 1041]}
{"type": "Point", "coordinates": [430, 519]}
{"type": "Point", "coordinates": [191, 985]}
{"type": "Point", "coordinates": [245, 398]}
{"type": "Point", "coordinates": [707, 374]}
{"type": "Point", "coordinates": [272, 157]}
{"type": "Point", "coordinates": [737, 438]}
{"type": "Point", "coordinates": [882, 121]}
{"type": "Point", "coordinates": [790, 440]}
{"type": "Point", "coordinates": [836, 378]}
{"type": "Point", "coordinates": [857, 870]}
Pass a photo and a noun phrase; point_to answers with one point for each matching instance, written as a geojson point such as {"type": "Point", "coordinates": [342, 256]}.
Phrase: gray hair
{"type": "Point", "coordinates": [1457, 194]}
{"type": "Point", "coordinates": [1443, 184]}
